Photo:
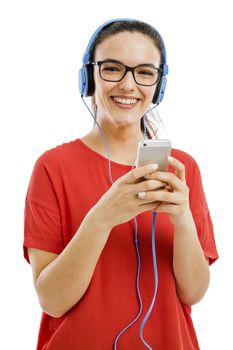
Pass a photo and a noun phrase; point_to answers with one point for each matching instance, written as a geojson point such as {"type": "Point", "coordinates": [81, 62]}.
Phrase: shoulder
{"type": "Point", "coordinates": [55, 165]}
{"type": "Point", "coordinates": [188, 160]}
{"type": "Point", "coordinates": [183, 156]}
{"type": "Point", "coordinates": [58, 151]}
{"type": "Point", "coordinates": [61, 154]}
{"type": "Point", "coordinates": [58, 160]}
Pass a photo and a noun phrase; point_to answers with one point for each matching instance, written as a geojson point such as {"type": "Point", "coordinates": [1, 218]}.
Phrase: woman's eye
{"type": "Point", "coordinates": [111, 68]}
{"type": "Point", "coordinates": [145, 72]}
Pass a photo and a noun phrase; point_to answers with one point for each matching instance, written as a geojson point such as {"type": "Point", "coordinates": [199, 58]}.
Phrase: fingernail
{"type": "Point", "coordinates": [154, 166]}
{"type": "Point", "coordinates": [141, 194]}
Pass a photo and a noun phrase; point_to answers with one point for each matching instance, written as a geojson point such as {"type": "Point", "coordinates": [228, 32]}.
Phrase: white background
{"type": "Point", "coordinates": [41, 48]}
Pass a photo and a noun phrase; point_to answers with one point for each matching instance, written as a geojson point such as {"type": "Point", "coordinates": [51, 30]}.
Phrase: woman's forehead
{"type": "Point", "coordinates": [130, 46]}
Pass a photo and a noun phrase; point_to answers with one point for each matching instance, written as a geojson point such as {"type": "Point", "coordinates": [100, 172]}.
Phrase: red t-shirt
{"type": "Point", "coordinates": [66, 182]}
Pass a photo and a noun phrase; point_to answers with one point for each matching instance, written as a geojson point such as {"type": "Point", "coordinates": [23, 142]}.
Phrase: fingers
{"type": "Point", "coordinates": [173, 181]}
{"type": "Point", "coordinates": [150, 172]}
{"type": "Point", "coordinates": [147, 206]}
{"type": "Point", "coordinates": [149, 185]}
{"type": "Point", "coordinates": [161, 196]}
{"type": "Point", "coordinates": [174, 211]}
{"type": "Point", "coordinates": [134, 175]}
{"type": "Point", "coordinates": [178, 166]}
{"type": "Point", "coordinates": [170, 179]}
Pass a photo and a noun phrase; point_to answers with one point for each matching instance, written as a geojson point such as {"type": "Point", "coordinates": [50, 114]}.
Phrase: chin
{"type": "Point", "coordinates": [123, 123]}
{"type": "Point", "coordinates": [125, 118]}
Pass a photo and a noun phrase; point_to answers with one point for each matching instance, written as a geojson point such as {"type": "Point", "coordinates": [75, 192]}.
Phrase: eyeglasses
{"type": "Point", "coordinates": [143, 74]}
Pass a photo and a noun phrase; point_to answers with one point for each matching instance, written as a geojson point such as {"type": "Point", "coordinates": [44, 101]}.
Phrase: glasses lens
{"type": "Point", "coordinates": [112, 71]}
{"type": "Point", "coordinates": [146, 75]}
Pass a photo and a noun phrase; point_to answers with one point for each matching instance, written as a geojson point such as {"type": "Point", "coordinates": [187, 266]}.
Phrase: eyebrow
{"type": "Point", "coordinates": [117, 61]}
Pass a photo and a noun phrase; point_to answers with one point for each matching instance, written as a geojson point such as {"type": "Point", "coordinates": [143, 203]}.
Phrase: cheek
{"type": "Point", "coordinates": [99, 90]}
{"type": "Point", "coordinates": [149, 94]}
{"type": "Point", "coordinates": [101, 86]}
{"type": "Point", "coordinates": [100, 95]}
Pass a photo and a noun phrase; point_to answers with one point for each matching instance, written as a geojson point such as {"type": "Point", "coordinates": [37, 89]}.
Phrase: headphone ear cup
{"type": "Point", "coordinates": [90, 80]}
{"type": "Point", "coordinates": [83, 81]}
{"type": "Point", "coordinates": [86, 80]}
{"type": "Point", "coordinates": [159, 91]}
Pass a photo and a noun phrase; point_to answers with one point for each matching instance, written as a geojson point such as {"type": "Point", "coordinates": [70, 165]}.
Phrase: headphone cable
{"type": "Point", "coordinates": [136, 247]}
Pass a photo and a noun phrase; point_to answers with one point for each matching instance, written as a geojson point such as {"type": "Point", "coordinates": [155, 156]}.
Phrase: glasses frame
{"type": "Point", "coordinates": [128, 69]}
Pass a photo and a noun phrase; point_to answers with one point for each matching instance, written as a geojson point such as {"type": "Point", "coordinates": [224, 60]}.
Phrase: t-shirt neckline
{"type": "Point", "coordinates": [100, 156]}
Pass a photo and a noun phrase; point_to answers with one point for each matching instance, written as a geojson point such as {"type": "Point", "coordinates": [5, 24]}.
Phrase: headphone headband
{"type": "Point", "coordinates": [87, 54]}
{"type": "Point", "coordinates": [86, 80]}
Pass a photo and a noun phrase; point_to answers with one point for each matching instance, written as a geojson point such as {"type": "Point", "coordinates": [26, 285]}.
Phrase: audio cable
{"type": "Point", "coordinates": [137, 250]}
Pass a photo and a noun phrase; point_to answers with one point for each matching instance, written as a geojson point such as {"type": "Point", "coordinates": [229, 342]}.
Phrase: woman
{"type": "Point", "coordinates": [95, 288]}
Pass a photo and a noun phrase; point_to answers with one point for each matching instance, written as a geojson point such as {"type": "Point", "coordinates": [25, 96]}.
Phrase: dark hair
{"type": "Point", "coordinates": [127, 26]}
{"type": "Point", "coordinates": [146, 29]}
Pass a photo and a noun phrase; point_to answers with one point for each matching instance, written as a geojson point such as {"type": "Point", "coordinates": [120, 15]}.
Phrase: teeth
{"type": "Point", "coordinates": [125, 101]}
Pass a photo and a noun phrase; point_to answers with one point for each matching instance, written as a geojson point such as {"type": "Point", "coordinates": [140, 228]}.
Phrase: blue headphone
{"type": "Point", "coordinates": [86, 79]}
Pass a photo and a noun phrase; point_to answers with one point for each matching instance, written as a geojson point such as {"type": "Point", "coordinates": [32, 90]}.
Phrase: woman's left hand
{"type": "Point", "coordinates": [174, 198]}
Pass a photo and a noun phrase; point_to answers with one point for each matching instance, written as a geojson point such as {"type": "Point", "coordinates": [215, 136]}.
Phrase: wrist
{"type": "Point", "coordinates": [182, 221]}
{"type": "Point", "coordinates": [99, 221]}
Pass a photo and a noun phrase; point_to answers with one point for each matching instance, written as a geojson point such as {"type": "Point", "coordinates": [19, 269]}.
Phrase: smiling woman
{"type": "Point", "coordinates": [88, 233]}
{"type": "Point", "coordinates": [123, 84]}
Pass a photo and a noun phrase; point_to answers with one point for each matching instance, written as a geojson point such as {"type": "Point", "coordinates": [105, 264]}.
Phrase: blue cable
{"type": "Point", "coordinates": [105, 143]}
{"type": "Point", "coordinates": [155, 281]}
{"type": "Point", "coordinates": [135, 236]}
{"type": "Point", "coordinates": [137, 286]}
{"type": "Point", "coordinates": [137, 250]}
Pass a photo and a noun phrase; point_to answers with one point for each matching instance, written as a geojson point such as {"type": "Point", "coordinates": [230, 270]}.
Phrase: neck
{"type": "Point", "coordinates": [122, 143]}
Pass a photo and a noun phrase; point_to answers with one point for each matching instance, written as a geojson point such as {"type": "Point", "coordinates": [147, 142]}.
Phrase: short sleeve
{"type": "Point", "coordinates": [42, 219]}
{"type": "Point", "coordinates": [200, 212]}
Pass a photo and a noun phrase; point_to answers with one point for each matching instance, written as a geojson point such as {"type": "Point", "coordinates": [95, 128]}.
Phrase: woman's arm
{"type": "Point", "coordinates": [190, 266]}
{"type": "Point", "coordinates": [61, 280]}
{"type": "Point", "coordinates": [191, 269]}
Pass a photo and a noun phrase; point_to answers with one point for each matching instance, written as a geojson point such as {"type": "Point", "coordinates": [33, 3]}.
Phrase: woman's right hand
{"type": "Point", "coordinates": [121, 202]}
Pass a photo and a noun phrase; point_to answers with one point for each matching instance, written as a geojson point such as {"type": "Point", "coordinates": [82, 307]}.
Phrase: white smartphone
{"type": "Point", "coordinates": [154, 151]}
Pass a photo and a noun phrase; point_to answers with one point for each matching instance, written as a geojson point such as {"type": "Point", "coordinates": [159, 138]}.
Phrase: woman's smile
{"type": "Point", "coordinates": [125, 102]}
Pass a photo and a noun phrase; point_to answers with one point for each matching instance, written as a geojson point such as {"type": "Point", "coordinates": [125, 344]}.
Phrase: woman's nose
{"type": "Point", "coordinates": [128, 82]}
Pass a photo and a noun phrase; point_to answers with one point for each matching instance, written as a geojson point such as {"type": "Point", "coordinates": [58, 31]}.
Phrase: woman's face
{"type": "Point", "coordinates": [123, 103]}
